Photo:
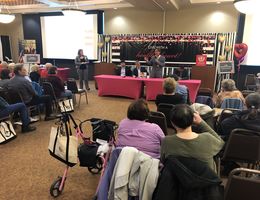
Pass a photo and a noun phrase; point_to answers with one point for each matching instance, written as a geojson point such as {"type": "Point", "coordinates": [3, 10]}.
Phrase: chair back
{"type": "Point", "coordinates": [48, 90]}
{"type": "Point", "coordinates": [166, 110]}
{"type": "Point", "coordinates": [233, 103]}
{"type": "Point", "coordinates": [159, 119]}
{"type": "Point", "coordinates": [250, 82]}
{"type": "Point", "coordinates": [72, 85]}
{"type": "Point", "coordinates": [242, 188]}
{"type": "Point", "coordinates": [207, 100]}
{"type": "Point", "coordinates": [243, 146]}
{"type": "Point", "coordinates": [205, 92]}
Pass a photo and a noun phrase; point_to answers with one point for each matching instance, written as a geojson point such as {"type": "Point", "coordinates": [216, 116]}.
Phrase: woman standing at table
{"type": "Point", "coordinates": [81, 62]}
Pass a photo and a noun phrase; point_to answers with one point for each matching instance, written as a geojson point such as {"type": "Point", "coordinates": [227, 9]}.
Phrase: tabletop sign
{"type": "Point", "coordinates": [225, 67]}
{"type": "Point", "coordinates": [201, 60]}
{"type": "Point", "coordinates": [32, 58]}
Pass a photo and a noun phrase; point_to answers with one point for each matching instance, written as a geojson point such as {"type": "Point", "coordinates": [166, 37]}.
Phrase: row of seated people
{"type": "Point", "coordinates": [140, 71]}
{"type": "Point", "coordinates": [201, 146]}
{"type": "Point", "coordinates": [21, 84]}
{"type": "Point", "coordinates": [148, 138]}
{"type": "Point", "coordinates": [172, 95]}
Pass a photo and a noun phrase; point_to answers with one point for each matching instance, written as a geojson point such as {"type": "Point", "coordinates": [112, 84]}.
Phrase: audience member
{"type": "Point", "coordinates": [58, 84]}
{"type": "Point", "coordinates": [248, 119]}
{"type": "Point", "coordinates": [181, 89]}
{"type": "Point", "coordinates": [5, 77]}
{"type": "Point", "coordinates": [228, 90]}
{"type": "Point", "coordinates": [134, 131]}
{"type": "Point", "coordinates": [6, 109]}
{"type": "Point", "coordinates": [169, 96]}
{"type": "Point", "coordinates": [186, 143]}
{"type": "Point", "coordinates": [11, 68]}
{"type": "Point", "coordinates": [123, 70]}
{"type": "Point", "coordinates": [44, 73]}
{"type": "Point", "coordinates": [181, 72]}
{"type": "Point", "coordinates": [19, 84]}
{"type": "Point", "coordinates": [35, 73]}
{"type": "Point", "coordinates": [139, 71]}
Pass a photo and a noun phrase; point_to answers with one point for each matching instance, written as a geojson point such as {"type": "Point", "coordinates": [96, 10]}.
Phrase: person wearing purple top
{"type": "Point", "coordinates": [134, 131]}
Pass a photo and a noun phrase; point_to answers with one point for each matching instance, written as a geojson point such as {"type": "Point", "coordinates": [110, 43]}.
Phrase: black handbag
{"type": "Point", "coordinates": [103, 129]}
{"type": "Point", "coordinates": [87, 154]}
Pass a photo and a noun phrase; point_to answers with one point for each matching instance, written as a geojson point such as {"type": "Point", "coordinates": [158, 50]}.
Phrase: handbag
{"type": "Point", "coordinates": [103, 129]}
{"type": "Point", "coordinates": [88, 154]}
{"type": "Point", "coordinates": [63, 145]}
{"type": "Point", "coordinates": [7, 132]}
{"type": "Point", "coordinates": [66, 105]}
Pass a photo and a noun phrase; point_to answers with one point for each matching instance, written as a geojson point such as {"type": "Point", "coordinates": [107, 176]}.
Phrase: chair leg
{"type": "Point", "coordinates": [86, 95]}
{"type": "Point", "coordinates": [79, 99]}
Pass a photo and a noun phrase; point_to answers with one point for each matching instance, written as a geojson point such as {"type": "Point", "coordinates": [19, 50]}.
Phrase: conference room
{"type": "Point", "coordinates": [197, 52]}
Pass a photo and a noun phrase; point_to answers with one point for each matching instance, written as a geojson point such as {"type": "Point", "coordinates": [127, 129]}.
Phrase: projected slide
{"type": "Point", "coordinates": [62, 36]}
{"type": "Point", "coordinates": [252, 39]}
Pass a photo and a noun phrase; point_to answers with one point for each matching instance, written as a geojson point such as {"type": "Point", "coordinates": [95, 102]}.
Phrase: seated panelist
{"type": "Point", "coordinates": [139, 71]}
{"type": "Point", "coordinates": [123, 70]}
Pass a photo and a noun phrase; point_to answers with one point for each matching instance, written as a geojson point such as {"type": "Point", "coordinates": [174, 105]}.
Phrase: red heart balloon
{"type": "Point", "coordinates": [240, 50]}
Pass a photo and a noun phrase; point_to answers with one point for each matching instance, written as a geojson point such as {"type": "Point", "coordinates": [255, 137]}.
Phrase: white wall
{"type": "Point", "coordinates": [213, 18]}
{"type": "Point", "coordinates": [15, 31]}
{"type": "Point", "coordinates": [131, 21]}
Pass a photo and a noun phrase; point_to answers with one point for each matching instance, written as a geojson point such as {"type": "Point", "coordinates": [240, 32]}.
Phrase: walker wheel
{"type": "Point", "coordinates": [54, 190]}
{"type": "Point", "coordinates": [96, 169]}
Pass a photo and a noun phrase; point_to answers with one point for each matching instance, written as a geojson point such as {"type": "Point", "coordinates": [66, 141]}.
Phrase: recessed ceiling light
{"type": "Point", "coordinates": [115, 8]}
{"type": "Point", "coordinates": [218, 2]}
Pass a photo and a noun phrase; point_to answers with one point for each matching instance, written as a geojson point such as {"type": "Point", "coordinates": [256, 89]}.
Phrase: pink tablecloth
{"type": "Point", "coordinates": [63, 73]}
{"type": "Point", "coordinates": [154, 87]}
{"type": "Point", "coordinates": [119, 86]}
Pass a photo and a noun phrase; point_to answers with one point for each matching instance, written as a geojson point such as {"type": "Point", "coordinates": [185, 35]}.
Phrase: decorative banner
{"type": "Point", "coordinates": [26, 47]}
{"type": "Point", "coordinates": [177, 48]}
{"type": "Point", "coordinates": [201, 60]}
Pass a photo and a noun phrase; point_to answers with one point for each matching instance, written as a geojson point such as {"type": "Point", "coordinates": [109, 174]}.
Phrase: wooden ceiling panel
{"type": "Point", "coordinates": [18, 2]}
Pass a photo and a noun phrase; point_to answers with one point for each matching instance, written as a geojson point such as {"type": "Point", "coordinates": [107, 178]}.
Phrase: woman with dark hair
{"type": "Point", "coordinates": [134, 131]}
{"type": "Point", "coordinates": [81, 62]}
{"type": "Point", "coordinates": [202, 146]}
{"type": "Point", "coordinates": [248, 119]}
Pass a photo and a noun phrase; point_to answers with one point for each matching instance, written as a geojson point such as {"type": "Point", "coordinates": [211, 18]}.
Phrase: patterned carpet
{"type": "Point", "coordinates": [27, 170]}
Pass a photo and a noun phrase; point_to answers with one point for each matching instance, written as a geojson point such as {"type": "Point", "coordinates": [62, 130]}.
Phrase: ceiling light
{"type": "Point", "coordinates": [247, 6]}
{"type": "Point", "coordinates": [73, 12]}
{"type": "Point", "coordinates": [218, 2]}
{"type": "Point", "coordinates": [6, 18]}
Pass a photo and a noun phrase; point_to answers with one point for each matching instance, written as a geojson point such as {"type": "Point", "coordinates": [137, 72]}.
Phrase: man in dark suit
{"type": "Point", "coordinates": [123, 70]}
{"type": "Point", "coordinates": [157, 62]}
{"type": "Point", "coordinates": [139, 71]}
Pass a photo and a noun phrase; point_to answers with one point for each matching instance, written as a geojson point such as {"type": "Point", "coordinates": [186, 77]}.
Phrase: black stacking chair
{"type": "Point", "coordinates": [240, 187]}
{"type": "Point", "coordinates": [159, 119]}
{"type": "Point", "coordinates": [72, 86]}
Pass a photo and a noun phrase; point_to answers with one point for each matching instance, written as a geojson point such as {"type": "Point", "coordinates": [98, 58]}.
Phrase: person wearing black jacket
{"type": "Point", "coordinates": [139, 71]}
{"type": "Point", "coordinates": [123, 70]}
{"type": "Point", "coordinates": [187, 178]}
